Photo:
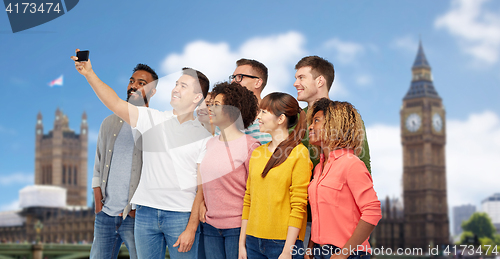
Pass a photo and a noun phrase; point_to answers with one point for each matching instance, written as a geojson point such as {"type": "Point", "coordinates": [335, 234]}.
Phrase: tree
{"type": "Point", "coordinates": [487, 245]}
{"type": "Point", "coordinates": [466, 238]}
{"type": "Point", "coordinates": [480, 224]}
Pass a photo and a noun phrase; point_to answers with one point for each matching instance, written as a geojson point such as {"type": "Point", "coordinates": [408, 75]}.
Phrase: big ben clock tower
{"type": "Point", "coordinates": [423, 136]}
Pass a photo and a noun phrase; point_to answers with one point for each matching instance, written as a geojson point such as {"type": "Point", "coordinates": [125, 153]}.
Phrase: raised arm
{"type": "Point", "coordinates": [106, 94]}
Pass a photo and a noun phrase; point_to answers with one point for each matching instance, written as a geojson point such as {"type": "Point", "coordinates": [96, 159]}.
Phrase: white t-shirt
{"type": "Point", "coordinates": [171, 152]}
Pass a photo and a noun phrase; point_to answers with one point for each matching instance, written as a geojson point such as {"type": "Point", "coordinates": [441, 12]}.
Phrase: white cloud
{"type": "Point", "coordinates": [278, 52]}
{"type": "Point", "coordinates": [472, 153]}
{"type": "Point", "coordinates": [338, 90]}
{"type": "Point", "coordinates": [476, 28]}
{"type": "Point", "coordinates": [218, 60]}
{"type": "Point", "coordinates": [386, 159]}
{"type": "Point", "coordinates": [346, 52]}
{"type": "Point", "coordinates": [363, 80]}
{"type": "Point", "coordinates": [16, 178]}
{"type": "Point", "coordinates": [407, 43]}
{"type": "Point", "coordinates": [473, 150]}
{"type": "Point", "coordinates": [14, 205]}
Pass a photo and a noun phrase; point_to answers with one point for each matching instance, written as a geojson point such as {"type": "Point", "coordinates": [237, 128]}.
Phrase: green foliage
{"type": "Point", "coordinates": [480, 224]}
{"type": "Point", "coordinates": [487, 245]}
{"type": "Point", "coordinates": [497, 239]}
{"type": "Point", "coordinates": [465, 237]}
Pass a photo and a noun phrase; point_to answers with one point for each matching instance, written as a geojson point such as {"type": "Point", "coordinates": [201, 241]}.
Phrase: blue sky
{"type": "Point", "coordinates": [371, 43]}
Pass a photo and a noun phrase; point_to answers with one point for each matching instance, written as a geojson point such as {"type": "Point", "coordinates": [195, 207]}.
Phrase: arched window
{"type": "Point", "coordinates": [69, 174]}
{"type": "Point", "coordinates": [74, 177]}
{"type": "Point", "coordinates": [64, 175]}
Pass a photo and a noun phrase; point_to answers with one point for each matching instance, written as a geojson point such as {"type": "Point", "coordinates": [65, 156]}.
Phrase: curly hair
{"type": "Point", "coordinates": [343, 126]}
{"type": "Point", "coordinates": [235, 95]}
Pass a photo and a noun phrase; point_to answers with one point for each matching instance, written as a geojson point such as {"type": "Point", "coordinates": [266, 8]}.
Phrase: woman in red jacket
{"type": "Point", "coordinates": [345, 208]}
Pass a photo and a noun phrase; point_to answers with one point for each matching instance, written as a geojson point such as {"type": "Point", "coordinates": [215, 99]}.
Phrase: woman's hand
{"type": "Point", "coordinates": [242, 252]}
{"type": "Point", "coordinates": [203, 212]}
{"type": "Point", "coordinates": [285, 255]}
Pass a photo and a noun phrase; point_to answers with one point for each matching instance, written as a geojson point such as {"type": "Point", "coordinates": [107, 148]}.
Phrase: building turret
{"type": "Point", "coordinates": [61, 158]}
{"type": "Point", "coordinates": [421, 83]}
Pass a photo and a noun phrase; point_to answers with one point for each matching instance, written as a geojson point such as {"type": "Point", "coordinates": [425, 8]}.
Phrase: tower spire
{"type": "Point", "coordinates": [421, 83]}
{"type": "Point", "coordinates": [421, 59]}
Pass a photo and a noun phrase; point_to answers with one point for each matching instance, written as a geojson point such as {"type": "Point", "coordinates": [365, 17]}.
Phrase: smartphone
{"type": "Point", "coordinates": [82, 55]}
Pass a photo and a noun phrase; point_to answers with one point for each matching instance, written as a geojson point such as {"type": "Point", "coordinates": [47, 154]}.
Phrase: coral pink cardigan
{"type": "Point", "coordinates": [340, 196]}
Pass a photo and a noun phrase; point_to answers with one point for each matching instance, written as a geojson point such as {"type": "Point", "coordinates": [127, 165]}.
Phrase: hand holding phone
{"type": "Point", "coordinates": [82, 62]}
{"type": "Point", "coordinates": [82, 55]}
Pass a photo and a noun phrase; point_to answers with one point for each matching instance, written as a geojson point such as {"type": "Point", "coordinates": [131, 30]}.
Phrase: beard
{"type": "Point", "coordinates": [137, 100]}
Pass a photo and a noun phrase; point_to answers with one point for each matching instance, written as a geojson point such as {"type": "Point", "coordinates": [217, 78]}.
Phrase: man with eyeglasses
{"type": "Point", "coordinates": [252, 75]}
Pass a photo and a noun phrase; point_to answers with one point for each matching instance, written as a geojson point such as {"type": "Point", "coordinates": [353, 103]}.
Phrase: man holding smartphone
{"type": "Point", "coordinates": [117, 169]}
{"type": "Point", "coordinates": [173, 144]}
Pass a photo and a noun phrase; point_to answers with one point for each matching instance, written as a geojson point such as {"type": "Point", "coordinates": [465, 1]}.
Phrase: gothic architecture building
{"type": "Point", "coordinates": [424, 220]}
{"type": "Point", "coordinates": [60, 167]}
{"type": "Point", "coordinates": [61, 158]}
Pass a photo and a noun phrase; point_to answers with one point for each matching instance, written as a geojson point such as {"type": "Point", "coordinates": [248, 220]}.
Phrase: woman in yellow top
{"type": "Point", "coordinates": [274, 207]}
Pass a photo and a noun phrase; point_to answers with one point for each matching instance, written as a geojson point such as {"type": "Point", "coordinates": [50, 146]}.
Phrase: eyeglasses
{"type": "Point", "coordinates": [239, 77]}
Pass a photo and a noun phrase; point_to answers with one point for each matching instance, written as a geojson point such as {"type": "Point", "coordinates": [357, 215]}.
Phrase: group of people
{"type": "Point", "coordinates": [228, 174]}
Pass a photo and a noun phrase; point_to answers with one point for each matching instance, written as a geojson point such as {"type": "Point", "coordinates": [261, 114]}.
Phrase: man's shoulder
{"type": "Point", "coordinates": [112, 118]}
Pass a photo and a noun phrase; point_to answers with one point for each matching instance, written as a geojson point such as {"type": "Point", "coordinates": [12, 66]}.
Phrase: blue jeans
{"type": "Point", "coordinates": [109, 233]}
{"type": "Point", "coordinates": [221, 243]}
{"type": "Point", "coordinates": [260, 248]}
{"type": "Point", "coordinates": [326, 251]}
{"type": "Point", "coordinates": [201, 244]}
{"type": "Point", "coordinates": [155, 230]}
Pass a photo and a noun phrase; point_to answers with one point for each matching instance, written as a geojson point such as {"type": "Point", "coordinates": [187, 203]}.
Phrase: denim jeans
{"type": "Point", "coordinates": [109, 233]}
{"type": "Point", "coordinates": [221, 243]}
{"type": "Point", "coordinates": [201, 244]}
{"type": "Point", "coordinates": [325, 252]}
{"type": "Point", "coordinates": [260, 248]}
{"type": "Point", "coordinates": [155, 230]}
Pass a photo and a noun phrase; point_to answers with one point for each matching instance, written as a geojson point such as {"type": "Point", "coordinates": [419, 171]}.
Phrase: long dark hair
{"type": "Point", "coordinates": [283, 103]}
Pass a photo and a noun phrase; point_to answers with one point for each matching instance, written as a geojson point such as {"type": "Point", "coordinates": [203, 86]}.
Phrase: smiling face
{"type": "Point", "coordinates": [316, 129]}
{"type": "Point", "coordinates": [140, 88]}
{"type": "Point", "coordinates": [184, 95]}
{"type": "Point", "coordinates": [219, 118]}
{"type": "Point", "coordinates": [306, 85]}
{"type": "Point", "coordinates": [202, 111]}
{"type": "Point", "coordinates": [268, 122]}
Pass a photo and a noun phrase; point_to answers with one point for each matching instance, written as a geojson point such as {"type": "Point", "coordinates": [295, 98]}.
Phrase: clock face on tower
{"type": "Point", "coordinates": [413, 122]}
{"type": "Point", "coordinates": [437, 122]}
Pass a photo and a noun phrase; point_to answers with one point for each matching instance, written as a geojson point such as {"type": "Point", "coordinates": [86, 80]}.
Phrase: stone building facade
{"type": "Point", "coordinates": [61, 158]}
{"type": "Point", "coordinates": [60, 161]}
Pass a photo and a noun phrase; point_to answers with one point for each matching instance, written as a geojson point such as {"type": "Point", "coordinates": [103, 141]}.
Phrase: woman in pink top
{"type": "Point", "coordinates": [224, 169]}
{"type": "Point", "coordinates": [345, 208]}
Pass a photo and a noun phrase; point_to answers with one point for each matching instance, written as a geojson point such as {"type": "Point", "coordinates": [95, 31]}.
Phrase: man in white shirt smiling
{"type": "Point", "coordinates": [174, 144]}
